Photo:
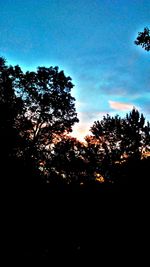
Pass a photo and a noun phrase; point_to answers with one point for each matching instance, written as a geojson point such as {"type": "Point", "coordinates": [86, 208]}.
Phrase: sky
{"type": "Point", "coordinates": [92, 41]}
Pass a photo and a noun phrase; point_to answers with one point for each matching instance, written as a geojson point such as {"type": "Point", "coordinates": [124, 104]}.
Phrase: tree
{"type": "Point", "coordinates": [11, 108]}
{"type": "Point", "coordinates": [120, 139]}
{"type": "Point", "coordinates": [49, 105]}
{"type": "Point", "coordinates": [39, 106]}
{"type": "Point", "coordinates": [134, 134]}
{"type": "Point", "coordinates": [143, 39]}
{"type": "Point", "coordinates": [108, 135]}
{"type": "Point", "coordinates": [68, 161]}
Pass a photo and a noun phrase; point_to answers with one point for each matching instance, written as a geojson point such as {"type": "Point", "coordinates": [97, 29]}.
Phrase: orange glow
{"type": "Point", "coordinates": [99, 177]}
{"type": "Point", "coordinates": [80, 132]}
{"type": "Point", "coordinates": [146, 154]}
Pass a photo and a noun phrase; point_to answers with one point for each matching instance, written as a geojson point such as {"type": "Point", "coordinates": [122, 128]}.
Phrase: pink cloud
{"type": "Point", "coordinates": [120, 106]}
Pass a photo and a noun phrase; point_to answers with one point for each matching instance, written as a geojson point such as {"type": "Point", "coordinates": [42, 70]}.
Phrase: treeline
{"type": "Point", "coordinates": [37, 113]}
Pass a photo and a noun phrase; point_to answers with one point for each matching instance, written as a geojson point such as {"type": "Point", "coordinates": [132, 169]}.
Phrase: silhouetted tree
{"type": "Point", "coordinates": [108, 134]}
{"type": "Point", "coordinates": [135, 131]}
{"type": "Point", "coordinates": [68, 161]}
{"type": "Point", "coordinates": [120, 139]}
{"type": "Point", "coordinates": [39, 107]}
{"type": "Point", "coordinates": [11, 110]}
{"type": "Point", "coordinates": [49, 107]}
{"type": "Point", "coordinates": [143, 39]}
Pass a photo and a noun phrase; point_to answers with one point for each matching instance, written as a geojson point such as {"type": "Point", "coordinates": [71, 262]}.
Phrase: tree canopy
{"type": "Point", "coordinates": [120, 139]}
{"type": "Point", "coordinates": [36, 108]}
{"type": "Point", "coordinates": [38, 112]}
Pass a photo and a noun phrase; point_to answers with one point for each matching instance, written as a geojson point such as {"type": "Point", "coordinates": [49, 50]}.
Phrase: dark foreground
{"type": "Point", "coordinates": [75, 225]}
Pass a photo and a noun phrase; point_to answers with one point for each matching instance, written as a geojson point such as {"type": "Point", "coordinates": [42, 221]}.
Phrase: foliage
{"type": "Point", "coordinates": [68, 160]}
{"type": "Point", "coordinates": [11, 108]}
{"type": "Point", "coordinates": [36, 107]}
{"type": "Point", "coordinates": [143, 39]}
{"type": "Point", "coordinates": [37, 112]}
{"type": "Point", "coordinates": [120, 139]}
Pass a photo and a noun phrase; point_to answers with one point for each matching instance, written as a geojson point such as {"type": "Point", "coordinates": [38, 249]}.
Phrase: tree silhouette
{"type": "Point", "coordinates": [68, 161]}
{"type": "Point", "coordinates": [134, 129]}
{"type": "Point", "coordinates": [120, 139]}
{"type": "Point", "coordinates": [143, 39]}
{"type": "Point", "coordinates": [108, 134]}
{"type": "Point", "coordinates": [11, 110]}
{"type": "Point", "coordinates": [49, 107]}
{"type": "Point", "coordinates": [36, 107]}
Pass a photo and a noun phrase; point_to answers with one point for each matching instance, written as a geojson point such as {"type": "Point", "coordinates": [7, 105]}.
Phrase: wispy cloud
{"type": "Point", "coordinates": [120, 105]}
{"type": "Point", "coordinates": [115, 90]}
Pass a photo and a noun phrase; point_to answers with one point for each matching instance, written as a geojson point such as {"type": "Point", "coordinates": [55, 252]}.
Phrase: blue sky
{"type": "Point", "coordinates": [92, 41]}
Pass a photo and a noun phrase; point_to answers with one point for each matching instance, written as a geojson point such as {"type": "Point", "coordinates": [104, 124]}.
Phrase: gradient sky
{"type": "Point", "coordinates": [92, 41]}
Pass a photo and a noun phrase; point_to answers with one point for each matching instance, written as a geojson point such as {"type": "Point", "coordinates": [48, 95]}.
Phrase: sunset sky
{"type": "Point", "coordinates": [92, 41]}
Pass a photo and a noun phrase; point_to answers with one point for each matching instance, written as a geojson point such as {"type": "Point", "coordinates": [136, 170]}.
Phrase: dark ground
{"type": "Point", "coordinates": [74, 225]}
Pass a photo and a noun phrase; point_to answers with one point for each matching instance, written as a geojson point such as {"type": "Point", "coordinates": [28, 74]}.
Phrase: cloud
{"type": "Point", "coordinates": [120, 106]}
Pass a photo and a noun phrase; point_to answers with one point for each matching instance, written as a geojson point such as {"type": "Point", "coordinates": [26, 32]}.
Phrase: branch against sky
{"type": "Point", "coordinates": [49, 105]}
{"type": "Point", "coordinates": [143, 39]}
